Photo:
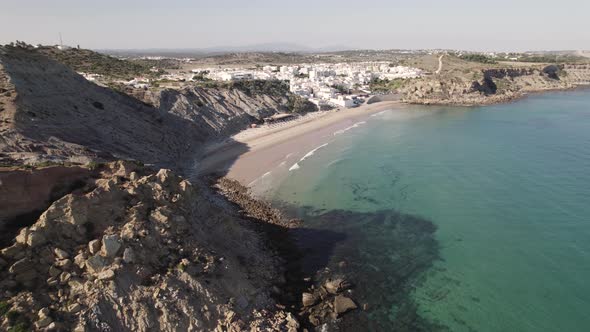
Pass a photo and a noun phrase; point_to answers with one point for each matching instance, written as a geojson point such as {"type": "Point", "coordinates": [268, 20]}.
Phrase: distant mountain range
{"type": "Point", "coordinates": [266, 47]}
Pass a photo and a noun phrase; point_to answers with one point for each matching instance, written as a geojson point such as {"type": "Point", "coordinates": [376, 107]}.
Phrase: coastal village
{"type": "Point", "coordinates": [325, 85]}
{"type": "Point", "coordinates": [337, 85]}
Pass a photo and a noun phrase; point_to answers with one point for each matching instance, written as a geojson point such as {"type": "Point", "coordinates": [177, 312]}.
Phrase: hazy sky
{"type": "Point", "coordinates": [465, 24]}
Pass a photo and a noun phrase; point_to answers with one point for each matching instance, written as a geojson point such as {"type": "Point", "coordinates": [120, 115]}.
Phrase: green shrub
{"type": "Point", "coordinates": [93, 165]}
{"type": "Point", "coordinates": [477, 58]}
{"type": "Point", "coordinates": [4, 307]}
{"type": "Point", "coordinates": [20, 327]}
{"type": "Point", "coordinates": [297, 104]}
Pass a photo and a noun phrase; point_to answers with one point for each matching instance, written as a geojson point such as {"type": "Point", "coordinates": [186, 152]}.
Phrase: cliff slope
{"type": "Point", "coordinates": [464, 83]}
{"type": "Point", "coordinates": [50, 113]}
{"type": "Point", "coordinates": [133, 250]}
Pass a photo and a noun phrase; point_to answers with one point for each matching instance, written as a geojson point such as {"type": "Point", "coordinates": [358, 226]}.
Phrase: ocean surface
{"type": "Point", "coordinates": [454, 219]}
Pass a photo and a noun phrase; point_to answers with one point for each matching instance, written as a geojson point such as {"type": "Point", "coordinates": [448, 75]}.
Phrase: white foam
{"type": "Point", "coordinates": [258, 179]}
{"type": "Point", "coordinates": [376, 114]}
{"type": "Point", "coordinates": [334, 162]}
{"type": "Point", "coordinates": [342, 131]}
{"type": "Point", "coordinates": [307, 155]}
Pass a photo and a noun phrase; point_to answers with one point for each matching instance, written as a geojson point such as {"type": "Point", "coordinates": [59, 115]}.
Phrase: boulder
{"type": "Point", "coordinates": [106, 275]}
{"type": "Point", "coordinates": [164, 175]}
{"type": "Point", "coordinates": [128, 256]}
{"type": "Point", "coordinates": [94, 246]}
{"type": "Point", "coordinates": [36, 239]}
{"type": "Point", "coordinates": [23, 270]}
{"type": "Point", "coordinates": [95, 263]}
{"type": "Point", "coordinates": [54, 271]}
{"type": "Point", "coordinates": [110, 245]}
{"type": "Point", "coordinates": [64, 277]}
{"type": "Point", "coordinates": [343, 304]}
{"type": "Point", "coordinates": [79, 260]}
{"type": "Point", "coordinates": [336, 286]}
{"type": "Point", "coordinates": [308, 299]}
{"type": "Point", "coordinates": [61, 254]}
{"type": "Point", "coordinates": [292, 323]}
{"type": "Point", "coordinates": [43, 322]}
{"type": "Point", "coordinates": [64, 264]}
{"type": "Point", "coordinates": [74, 308]}
{"type": "Point", "coordinates": [159, 215]}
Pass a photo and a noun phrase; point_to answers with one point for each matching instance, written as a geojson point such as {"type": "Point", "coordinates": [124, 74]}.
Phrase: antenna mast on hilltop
{"type": "Point", "coordinates": [61, 43]}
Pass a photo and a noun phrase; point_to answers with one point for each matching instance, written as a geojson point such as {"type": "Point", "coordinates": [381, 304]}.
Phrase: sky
{"type": "Point", "coordinates": [498, 25]}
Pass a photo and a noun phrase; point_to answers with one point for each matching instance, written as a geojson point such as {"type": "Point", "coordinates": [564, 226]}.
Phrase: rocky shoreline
{"type": "Point", "coordinates": [316, 302]}
{"type": "Point", "coordinates": [493, 85]}
{"type": "Point", "coordinates": [495, 100]}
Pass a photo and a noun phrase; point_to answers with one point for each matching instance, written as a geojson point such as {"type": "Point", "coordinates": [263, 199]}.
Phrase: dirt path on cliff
{"type": "Point", "coordinates": [439, 64]}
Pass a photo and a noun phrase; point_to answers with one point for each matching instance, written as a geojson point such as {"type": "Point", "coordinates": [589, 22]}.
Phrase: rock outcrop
{"type": "Point", "coordinates": [140, 251]}
{"type": "Point", "coordinates": [25, 193]}
{"type": "Point", "coordinates": [492, 85]}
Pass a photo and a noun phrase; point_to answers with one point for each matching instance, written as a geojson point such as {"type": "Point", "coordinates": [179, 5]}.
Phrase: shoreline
{"type": "Point", "coordinates": [251, 153]}
{"type": "Point", "coordinates": [234, 156]}
{"type": "Point", "coordinates": [298, 136]}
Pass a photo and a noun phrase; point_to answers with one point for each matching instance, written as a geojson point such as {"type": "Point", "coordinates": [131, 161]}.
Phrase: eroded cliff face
{"type": "Point", "coordinates": [493, 85]}
{"type": "Point", "coordinates": [218, 111]}
{"type": "Point", "coordinates": [50, 113]}
{"type": "Point", "coordinates": [56, 115]}
{"type": "Point", "coordinates": [138, 251]}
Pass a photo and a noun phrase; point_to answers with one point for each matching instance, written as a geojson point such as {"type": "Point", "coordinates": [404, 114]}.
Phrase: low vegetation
{"type": "Point", "coordinates": [82, 60]}
{"type": "Point", "coordinates": [478, 58]}
{"type": "Point", "coordinates": [4, 308]}
{"type": "Point", "coordinates": [549, 58]}
{"type": "Point", "coordinates": [297, 104]}
{"type": "Point", "coordinates": [386, 86]}
{"type": "Point", "coordinates": [17, 322]}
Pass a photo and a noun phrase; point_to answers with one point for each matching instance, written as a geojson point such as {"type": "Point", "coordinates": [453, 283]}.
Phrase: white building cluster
{"type": "Point", "coordinates": [322, 84]}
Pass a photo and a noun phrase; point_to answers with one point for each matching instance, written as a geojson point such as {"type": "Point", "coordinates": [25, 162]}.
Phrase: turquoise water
{"type": "Point", "coordinates": [485, 210]}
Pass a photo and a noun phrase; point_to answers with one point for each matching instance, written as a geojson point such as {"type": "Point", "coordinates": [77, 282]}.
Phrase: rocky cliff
{"type": "Point", "coordinates": [492, 85]}
{"type": "Point", "coordinates": [132, 250]}
{"type": "Point", "coordinates": [218, 111]}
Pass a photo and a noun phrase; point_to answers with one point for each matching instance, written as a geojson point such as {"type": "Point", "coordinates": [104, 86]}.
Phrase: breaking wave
{"type": "Point", "coordinates": [342, 131]}
{"type": "Point", "coordinates": [307, 155]}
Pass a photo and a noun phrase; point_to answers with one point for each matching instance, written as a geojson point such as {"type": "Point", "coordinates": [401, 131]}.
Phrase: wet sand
{"type": "Point", "coordinates": [251, 154]}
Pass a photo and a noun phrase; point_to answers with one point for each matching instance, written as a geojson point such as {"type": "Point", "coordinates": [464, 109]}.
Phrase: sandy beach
{"type": "Point", "coordinates": [251, 154]}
